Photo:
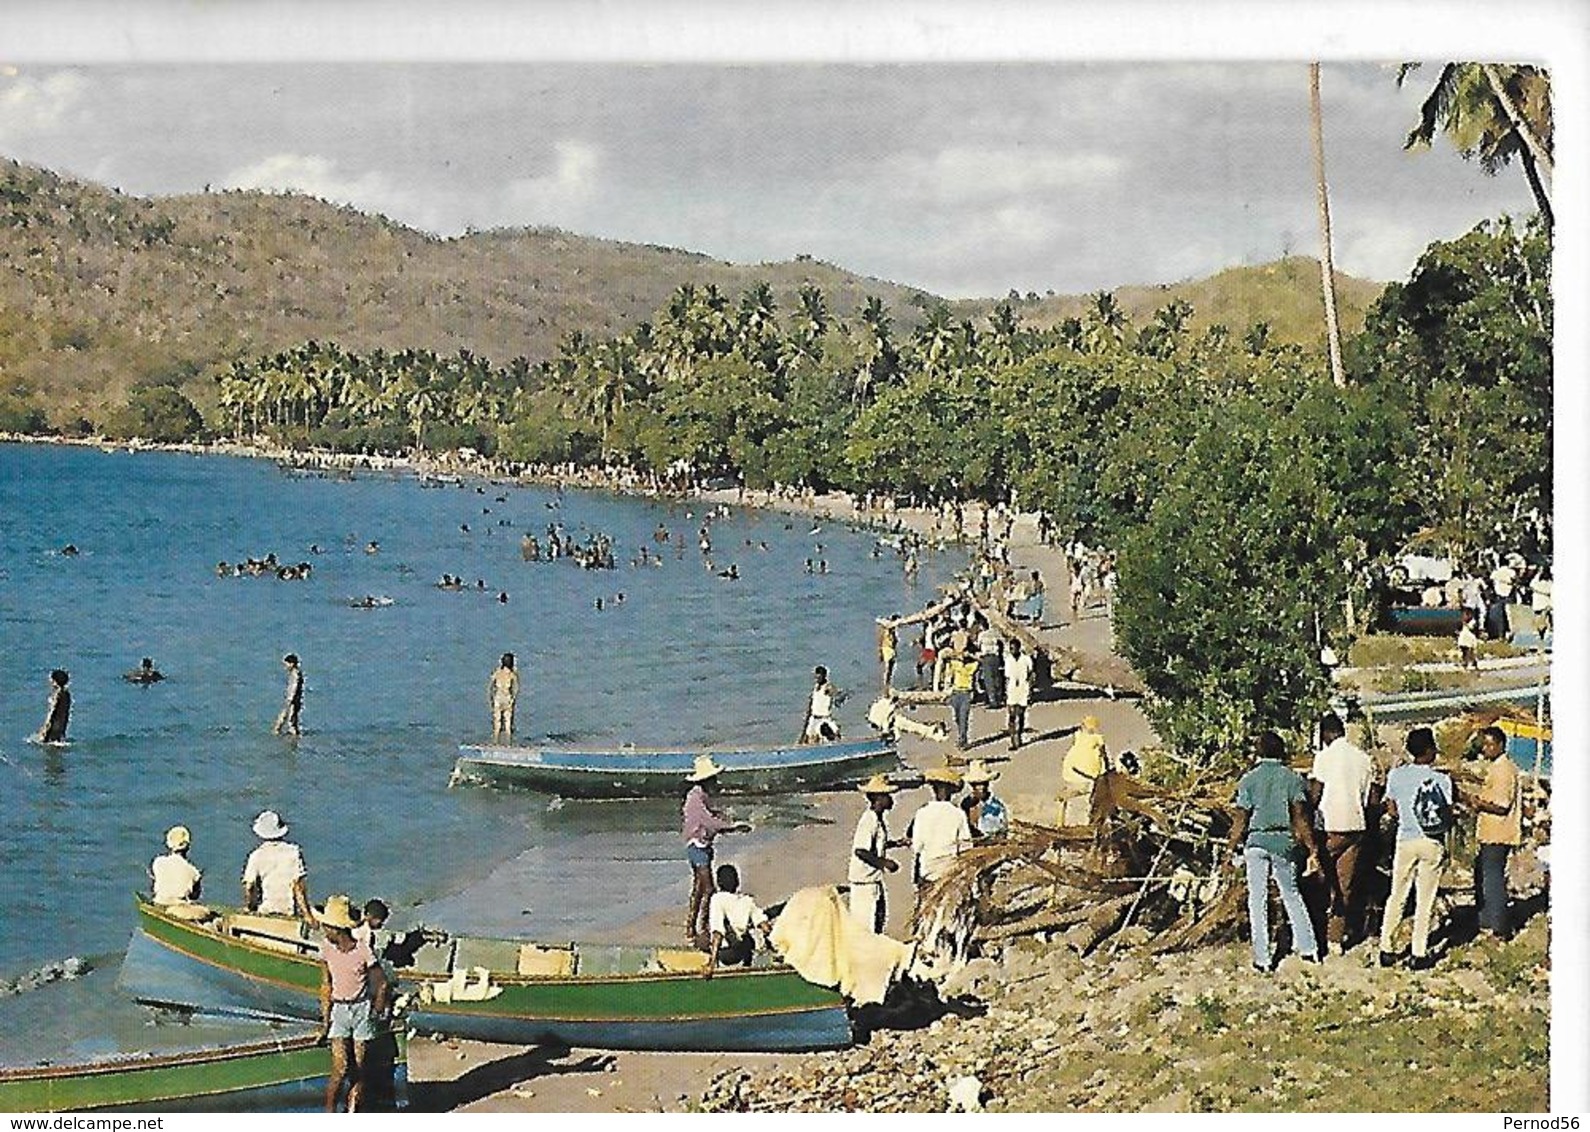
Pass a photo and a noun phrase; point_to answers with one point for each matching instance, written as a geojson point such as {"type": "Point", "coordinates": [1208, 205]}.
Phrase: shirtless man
{"type": "Point", "coordinates": [504, 689]}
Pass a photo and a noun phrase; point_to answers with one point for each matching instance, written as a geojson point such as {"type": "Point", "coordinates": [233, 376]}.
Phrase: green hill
{"type": "Point", "coordinates": [1285, 294]}
{"type": "Point", "coordinates": [101, 291]}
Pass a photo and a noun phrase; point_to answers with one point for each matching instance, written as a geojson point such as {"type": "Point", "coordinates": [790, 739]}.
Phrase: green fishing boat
{"type": "Point", "coordinates": [593, 996]}
{"type": "Point", "coordinates": [281, 1074]}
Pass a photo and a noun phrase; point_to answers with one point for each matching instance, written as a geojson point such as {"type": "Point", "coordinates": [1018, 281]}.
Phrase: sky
{"type": "Point", "coordinates": [962, 178]}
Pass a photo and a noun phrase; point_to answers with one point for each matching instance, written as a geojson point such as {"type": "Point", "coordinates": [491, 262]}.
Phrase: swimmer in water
{"type": "Point", "coordinates": [145, 673]}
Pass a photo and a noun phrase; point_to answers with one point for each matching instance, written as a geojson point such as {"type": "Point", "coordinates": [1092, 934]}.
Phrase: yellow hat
{"type": "Point", "coordinates": [1091, 722]}
{"type": "Point", "coordinates": [979, 772]}
{"type": "Point", "coordinates": [942, 774]}
{"type": "Point", "coordinates": [705, 768]}
{"type": "Point", "coordinates": [178, 837]}
{"type": "Point", "coordinates": [878, 784]}
{"type": "Point", "coordinates": [338, 913]}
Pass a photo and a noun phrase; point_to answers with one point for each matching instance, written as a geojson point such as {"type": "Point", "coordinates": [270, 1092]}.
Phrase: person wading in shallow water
{"type": "Point", "coordinates": [293, 704]}
{"type": "Point", "coordinates": [702, 824]}
{"type": "Point", "coordinates": [59, 711]}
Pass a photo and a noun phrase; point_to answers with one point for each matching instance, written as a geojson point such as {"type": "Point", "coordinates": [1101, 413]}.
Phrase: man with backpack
{"type": "Point", "coordinates": [1420, 798]}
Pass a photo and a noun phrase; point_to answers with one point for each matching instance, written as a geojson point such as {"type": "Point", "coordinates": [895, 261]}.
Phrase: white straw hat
{"type": "Point", "coordinates": [268, 826]}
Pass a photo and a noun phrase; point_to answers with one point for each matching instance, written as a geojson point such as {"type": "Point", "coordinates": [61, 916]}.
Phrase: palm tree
{"type": "Point", "coordinates": [1327, 265]}
{"type": "Point", "coordinates": [1492, 112]}
{"type": "Point", "coordinates": [1106, 325]}
{"type": "Point", "coordinates": [935, 339]}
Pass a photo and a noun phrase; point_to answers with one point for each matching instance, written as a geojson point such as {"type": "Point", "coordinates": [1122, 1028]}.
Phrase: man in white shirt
{"type": "Point", "coordinates": [273, 877]}
{"type": "Point", "coordinates": [939, 831]}
{"type": "Point", "coordinates": [731, 918]}
{"type": "Point", "coordinates": [820, 725]}
{"type": "Point", "coordinates": [869, 858]}
{"type": "Point", "coordinates": [176, 879]}
{"type": "Point", "coordinates": [1018, 691]}
{"type": "Point", "coordinates": [1341, 782]}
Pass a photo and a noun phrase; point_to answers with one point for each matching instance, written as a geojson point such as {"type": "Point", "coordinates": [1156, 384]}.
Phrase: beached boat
{"type": "Point", "coordinates": [660, 773]}
{"type": "Point", "coordinates": [1420, 620]}
{"type": "Point", "coordinates": [282, 1074]}
{"type": "Point", "coordinates": [1528, 743]}
{"type": "Point", "coordinates": [1426, 707]}
{"type": "Point", "coordinates": [496, 990]}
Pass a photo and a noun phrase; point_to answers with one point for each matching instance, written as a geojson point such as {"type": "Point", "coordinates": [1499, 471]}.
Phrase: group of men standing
{"type": "Point", "coordinates": [1328, 822]}
{"type": "Point", "coordinates": [939, 831]}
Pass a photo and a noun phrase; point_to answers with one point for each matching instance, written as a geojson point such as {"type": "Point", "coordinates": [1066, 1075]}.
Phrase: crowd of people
{"type": "Point", "coordinates": [267, 567]}
{"type": "Point", "coordinates": [1326, 823]}
{"type": "Point", "coordinates": [1484, 596]}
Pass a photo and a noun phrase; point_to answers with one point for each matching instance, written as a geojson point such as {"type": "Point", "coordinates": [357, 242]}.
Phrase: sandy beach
{"type": "Point", "coordinates": [475, 1077]}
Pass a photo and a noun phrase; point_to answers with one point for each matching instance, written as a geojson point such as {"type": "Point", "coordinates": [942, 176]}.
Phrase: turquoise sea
{"type": "Point", "coordinates": [687, 657]}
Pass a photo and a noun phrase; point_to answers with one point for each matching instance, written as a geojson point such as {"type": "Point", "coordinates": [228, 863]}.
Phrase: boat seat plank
{"type": "Point", "coordinates": [279, 933]}
{"type": "Point", "coordinates": [681, 960]}
{"type": "Point", "coordinates": [546, 962]}
{"type": "Point", "coordinates": [613, 959]}
{"type": "Point", "coordinates": [497, 955]}
{"type": "Point", "coordinates": [433, 959]}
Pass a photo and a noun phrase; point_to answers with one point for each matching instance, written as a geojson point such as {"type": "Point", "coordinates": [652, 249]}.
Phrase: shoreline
{"type": "Point", "coordinates": [812, 854]}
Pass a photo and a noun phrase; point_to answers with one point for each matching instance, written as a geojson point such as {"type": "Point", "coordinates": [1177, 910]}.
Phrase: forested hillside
{"type": "Point", "coordinates": [101, 292]}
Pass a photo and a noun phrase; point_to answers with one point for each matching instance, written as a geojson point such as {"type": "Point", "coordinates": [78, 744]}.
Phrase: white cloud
{"type": "Point", "coordinates": [964, 174]}
{"type": "Point", "coordinates": [1380, 248]}
{"type": "Point", "coordinates": [38, 105]}
{"type": "Point", "coordinates": [560, 195]}
{"type": "Point", "coordinates": [319, 177]}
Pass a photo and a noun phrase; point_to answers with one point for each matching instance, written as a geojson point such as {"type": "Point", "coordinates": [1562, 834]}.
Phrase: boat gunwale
{"type": "Point", "coordinates": [505, 755]}
{"type": "Point", "coordinates": [409, 975]}
{"type": "Point", "coordinates": [137, 1062]}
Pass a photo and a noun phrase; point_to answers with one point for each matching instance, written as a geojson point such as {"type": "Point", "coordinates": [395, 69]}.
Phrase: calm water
{"type": "Point", "coordinates": [687, 658]}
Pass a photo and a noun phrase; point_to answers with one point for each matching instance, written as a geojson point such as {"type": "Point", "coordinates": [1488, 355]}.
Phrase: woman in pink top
{"type": "Point", "coordinates": [354, 992]}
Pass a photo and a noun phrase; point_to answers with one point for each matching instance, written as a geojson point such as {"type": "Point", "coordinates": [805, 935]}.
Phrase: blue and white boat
{"type": "Point", "coordinates": [652, 773]}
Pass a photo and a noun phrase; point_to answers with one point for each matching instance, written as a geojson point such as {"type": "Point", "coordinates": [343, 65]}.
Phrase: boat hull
{"type": "Point", "coordinates": [182, 965]}
{"type": "Point", "coordinates": [1427, 707]}
{"type": "Point", "coordinates": [824, 1025]}
{"type": "Point", "coordinates": [287, 1074]}
{"type": "Point", "coordinates": [1528, 744]}
{"type": "Point", "coordinates": [1424, 621]}
{"type": "Point", "coordinates": [653, 774]}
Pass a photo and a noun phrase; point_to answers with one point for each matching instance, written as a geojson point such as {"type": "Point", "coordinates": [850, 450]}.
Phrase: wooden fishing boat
{"type": "Point", "coordinates": [281, 1074]}
{"type": "Point", "coordinates": [1421, 620]}
{"type": "Point", "coordinates": [581, 995]}
{"type": "Point", "coordinates": [1527, 738]}
{"type": "Point", "coordinates": [638, 773]}
{"type": "Point", "coordinates": [1426, 707]}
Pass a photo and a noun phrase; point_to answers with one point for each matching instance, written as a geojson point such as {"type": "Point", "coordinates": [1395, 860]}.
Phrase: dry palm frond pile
{"type": "Point", "coordinates": [1149, 857]}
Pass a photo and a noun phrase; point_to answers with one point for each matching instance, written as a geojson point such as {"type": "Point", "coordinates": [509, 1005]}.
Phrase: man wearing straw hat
{"type": "Point", "coordinates": [176, 879]}
{"type": "Point", "coordinates": [985, 814]}
{"type": "Point", "coordinates": [273, 877]}
{"type": "Point", "coordinates": [702, 824]}
{"type": "Point", "coordinates": [869, 856]}
{"type": "Point", "coordinates": [354, 992]}
{"type": "Point", "coordinates": [938, 831]}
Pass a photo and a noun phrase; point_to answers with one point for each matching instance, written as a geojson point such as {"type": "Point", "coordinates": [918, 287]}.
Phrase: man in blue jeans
{"type": "Point", "coordinates": [1272, 828]}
